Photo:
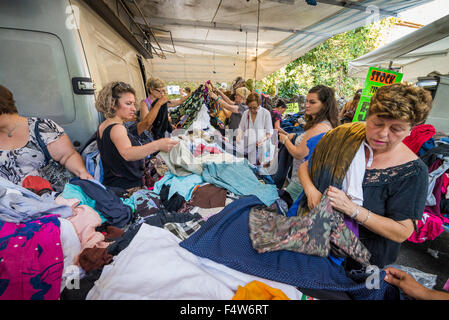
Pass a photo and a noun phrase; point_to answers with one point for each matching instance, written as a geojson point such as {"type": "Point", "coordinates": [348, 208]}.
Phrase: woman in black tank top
{"type": "Point", "coordinates": [122, 155]}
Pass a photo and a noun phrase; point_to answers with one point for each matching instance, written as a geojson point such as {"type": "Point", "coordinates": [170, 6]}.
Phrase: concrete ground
{"type": "Point", "coordinates": [416, 256]}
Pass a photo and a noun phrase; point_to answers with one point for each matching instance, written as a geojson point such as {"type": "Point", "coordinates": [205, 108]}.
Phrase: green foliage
{"type": "Point", "coordinates": [328, 62]}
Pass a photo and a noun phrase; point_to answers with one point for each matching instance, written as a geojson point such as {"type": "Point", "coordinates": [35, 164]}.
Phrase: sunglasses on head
{"type": "Point", "coordinates": [121, 84]}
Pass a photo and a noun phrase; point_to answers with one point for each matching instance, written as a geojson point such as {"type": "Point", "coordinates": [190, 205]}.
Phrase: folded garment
{"type": "Point", "coordinates": [18, 204]}
{"type": "Point", "coordinates": [224, 238]}
{"type": "Point", "coordinates": [256, 290]}
{"type": "Point", "coordinates": [183, 185]}
{"type": "Point", "coordinates": [94, 258]}
{"type": "Point", "coordinates": [107, 202]}
{"type": "Point", "coordinates": [31, 259]}
{"type": "Point", "coordinates": [239, 179]}
{"type": "Point", "coordinates": [320, 232]}
{"type": "Point", "coordinates": [209, 196]}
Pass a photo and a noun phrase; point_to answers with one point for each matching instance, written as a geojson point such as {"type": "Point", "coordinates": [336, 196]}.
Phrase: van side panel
{"type": "Point", "coordinates": [39, 62]}
{"type": "Point", "coordinates": [110, 57]}
{"type": "Point", "coordinates": [47, 43]}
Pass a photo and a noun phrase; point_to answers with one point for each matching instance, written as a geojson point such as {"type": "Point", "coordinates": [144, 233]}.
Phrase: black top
{"type": "Point", "coordinates": [234, 119]}
{"type": "Point", "coordinates": [161, 123]}
{"type": "Point", "coordinates": [398, 193]}
{"type": "Point", "coordinates": [117, 172]}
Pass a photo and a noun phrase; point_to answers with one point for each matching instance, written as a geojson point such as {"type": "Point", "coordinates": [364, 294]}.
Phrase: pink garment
{"type": "Point", "coordinates": [429, 227]}
{"type": "Point", "coordinates": [31, 259]}
{"type": "Point", "coordinates": [68, 202]}
{"type": "Point", "coordinates": [445, 183]}
{"type": "Point", "coordinates": [85, 220]}
{"type": "Point", "coordinates": [446, 286]}
{"type": "Point", "coordinates": [200, 149]}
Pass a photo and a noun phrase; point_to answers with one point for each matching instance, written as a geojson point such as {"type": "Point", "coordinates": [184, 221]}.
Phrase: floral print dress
{"type": "Point", "coordinates": [18, 163]}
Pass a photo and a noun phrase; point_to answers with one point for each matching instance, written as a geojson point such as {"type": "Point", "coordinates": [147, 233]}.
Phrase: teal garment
{"type": "Point", "coordinates": [294, 189]}
{"type": "Point", "coordinates": [239, 179]}
{"type": "Point", "coordinates": [76, 192]}
{"type": "Point", "coordinates": [184, 185]}
{"type": "Point", "coordinates": [129, 202]}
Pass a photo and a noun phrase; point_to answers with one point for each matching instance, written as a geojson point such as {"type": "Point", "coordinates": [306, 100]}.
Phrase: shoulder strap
{"type": "Point", "coordinates": [40, 141]}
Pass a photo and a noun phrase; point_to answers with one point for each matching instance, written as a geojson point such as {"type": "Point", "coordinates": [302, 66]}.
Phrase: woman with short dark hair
{"type": "Point", "coordinates": [393, 183]}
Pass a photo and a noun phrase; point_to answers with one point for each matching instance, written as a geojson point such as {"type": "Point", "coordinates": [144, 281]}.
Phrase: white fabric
{"type": "Point", "coordinates": [418, 53]}
{"type": "Point", "coordinates": [155, 267]}
{"type": "Point", "coordinates": [71, 247]}
{"type": "Point", "coordinates": [222, 49]}
{"type": "Point", "coordinates": [352, 183]}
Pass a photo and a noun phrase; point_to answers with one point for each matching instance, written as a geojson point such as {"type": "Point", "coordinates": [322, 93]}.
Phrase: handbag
{"type": "Point", "coordinates": [53, 171]}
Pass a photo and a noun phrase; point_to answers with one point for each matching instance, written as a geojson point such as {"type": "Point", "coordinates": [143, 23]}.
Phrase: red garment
{"type": "Point", "coordinates": [36, 183]}
{"type": "Point", "coordinates": [418, 136]}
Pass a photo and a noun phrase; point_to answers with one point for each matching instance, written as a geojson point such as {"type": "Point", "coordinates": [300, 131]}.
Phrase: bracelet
{"type": "Point", "coordinates": [367, 217]}
{"type": "Point", "coordinates": [218, 98]}
{"type": "Point", "coordinates": [356, 212]}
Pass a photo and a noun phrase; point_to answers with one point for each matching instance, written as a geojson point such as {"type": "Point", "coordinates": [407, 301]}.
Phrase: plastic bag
{"type": "Point", "coordinates": [428, 280]}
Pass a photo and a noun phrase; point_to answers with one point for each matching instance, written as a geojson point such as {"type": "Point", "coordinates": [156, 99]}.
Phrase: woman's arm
{"type": "Point", "coordinates": [312, 193]}
{"type": "Point", "coordinates": [411, 287]}
{"type": "Point", "coordinates": [174, 103]}
{"type": "Point", "coordinates": [397, 231]}
{"type": "Point", "coordinates": [147, 122]}
{"type": "Point", "coordinates": [277, 126]}
{"type": "Point", "coordinates": [143, 109]}
{"type": "Point", "coordinates": [119, 137]}
{"type": "Point", "coordinates": [225, 97]}
{"type": "Point", "coordinates": [301, 150]}
{"type": "Point", "coordinates": [62, 151]}
{"type": "Point", "coordinates": [231, 107]}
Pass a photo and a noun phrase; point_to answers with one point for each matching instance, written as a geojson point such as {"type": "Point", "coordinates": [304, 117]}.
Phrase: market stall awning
{"type": "Point", "coordinates": [197, 40]}
{"type": "Point", "coordinates": [416, 54]}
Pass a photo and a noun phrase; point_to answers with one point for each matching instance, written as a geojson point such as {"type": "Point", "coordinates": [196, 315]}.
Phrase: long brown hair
{"type": "Point", "coordinates": [329, 111]}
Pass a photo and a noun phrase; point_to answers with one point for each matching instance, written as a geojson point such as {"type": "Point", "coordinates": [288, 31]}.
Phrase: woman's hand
{"type": "Point", "coordinates": [313, 197]}
{"type": "Point", "coordinates": [162, 100]}
{"type": "Point", "coordinates": [282, 137]}
{"type": "Point", "coordinates": [86, 175]}
{"type": "Point", "coordinates": [166, 144]}
{"type": "Point", "coordinates": [406, 283]}
{"type": "Point", "coordinates": [340, 201]}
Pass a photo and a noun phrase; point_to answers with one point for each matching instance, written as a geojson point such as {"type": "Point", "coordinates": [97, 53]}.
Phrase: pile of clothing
{"type": "Point", "coordinates": [435, 154]}
{"type": "Point", "coordinates": [197, 221]}
{"type": "Point", "coordinates": [293, 123]}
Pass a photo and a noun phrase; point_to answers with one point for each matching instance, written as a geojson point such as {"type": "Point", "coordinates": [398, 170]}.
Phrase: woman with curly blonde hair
{"type": "Point", "coordinates": [121, 153]}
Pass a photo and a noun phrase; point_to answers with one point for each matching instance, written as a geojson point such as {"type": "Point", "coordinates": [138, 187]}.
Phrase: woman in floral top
{"type": "Point", "coordinates": [20, 153]}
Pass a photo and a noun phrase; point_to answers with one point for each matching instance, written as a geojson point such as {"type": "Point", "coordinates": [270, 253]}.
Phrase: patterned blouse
{"type": "Point", "coordinates": [18, 163]}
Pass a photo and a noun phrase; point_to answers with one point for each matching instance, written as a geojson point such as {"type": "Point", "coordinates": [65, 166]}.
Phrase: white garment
{"type": "Point", "coordinates": [71, 247]}
{"type": "Point", "coordinates": [297, 162]}
{"type": "Point", "coordinates": [352, 183]}
{"type": "Point", "coordinates": [154, 266]}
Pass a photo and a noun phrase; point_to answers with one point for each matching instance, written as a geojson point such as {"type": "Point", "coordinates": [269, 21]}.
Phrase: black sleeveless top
{"type": "Point", "coordinates": [117, 172]}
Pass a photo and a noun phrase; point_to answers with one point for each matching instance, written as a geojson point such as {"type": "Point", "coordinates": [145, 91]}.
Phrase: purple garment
{"type": "Point", "coordinates": [352, 225]}
{"type": "Point", "coordinates": [31, 259]}
{"type": "Point", "coordinates": [148, 101]}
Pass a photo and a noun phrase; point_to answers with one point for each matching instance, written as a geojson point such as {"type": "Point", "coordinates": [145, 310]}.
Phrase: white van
{"type": "Point", "coordinates": [54, 56]}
